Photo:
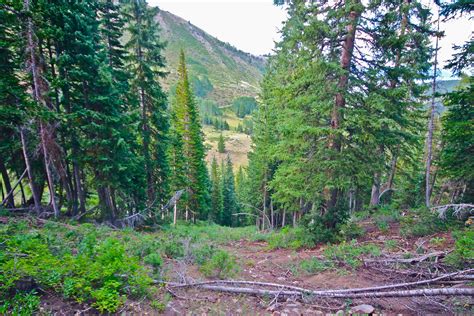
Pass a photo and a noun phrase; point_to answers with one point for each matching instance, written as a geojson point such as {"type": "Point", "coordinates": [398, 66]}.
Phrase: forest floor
{"type": "Point", "coordinates": [254, 256]}
{"type": "Point", "coordinates": [259, 263]}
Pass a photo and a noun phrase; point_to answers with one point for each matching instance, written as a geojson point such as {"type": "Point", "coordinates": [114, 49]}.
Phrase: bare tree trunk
{"type": "Point", "coordinates": [175, 213]}
{"type": "Point", "coordinates": [429, 138]}
{"type": "Point", "coordinates": [6, 179]}
{"type": "Point", "coordinates": [283, 219]}
{"type": "Point", "coordinates": [38, 94]}
{"type": "Point", "coordinates": [36, 199]}
{"type": "Point", "coordinates": [272, 215]}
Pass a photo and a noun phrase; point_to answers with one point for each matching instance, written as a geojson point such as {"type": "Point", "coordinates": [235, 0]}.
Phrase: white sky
{"type": "Point", "coordinates": [252, 25]}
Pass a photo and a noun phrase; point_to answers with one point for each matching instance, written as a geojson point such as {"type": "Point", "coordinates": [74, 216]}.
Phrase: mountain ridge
{"type": "Point", "coordinates": [218, 71]}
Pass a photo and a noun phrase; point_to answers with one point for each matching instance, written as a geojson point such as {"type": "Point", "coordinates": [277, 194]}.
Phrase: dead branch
{"type": "Point", "coordinates": [299, 294]}
{"type": "Point", "coordinates": [407, 260]}
{"type": "Point", "coordinates": [459, 210]}
{"type": "Point", "coordinates": [325, 292]}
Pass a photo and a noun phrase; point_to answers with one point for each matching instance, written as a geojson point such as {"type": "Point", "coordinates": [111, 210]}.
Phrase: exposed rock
{"type": "Point", "coordinates": [362, 309]}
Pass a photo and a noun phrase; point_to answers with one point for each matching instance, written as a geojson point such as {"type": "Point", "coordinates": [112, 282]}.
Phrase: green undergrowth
{"type": "Point", "coordinates": [423, 222]}
{"type": "Point", "coordinates": [102, 267]}
{"type": "Point", "coordinates": [337, 257]}
{"type": "Point", "coordinates": [463, 253]}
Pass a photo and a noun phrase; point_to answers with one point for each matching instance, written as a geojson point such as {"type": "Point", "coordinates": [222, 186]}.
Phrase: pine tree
{"type": "Point", "coordinates": [221, 144]}
{"type": "Point", "coordinates": [229, 202]}
{"type": "Point", "coordinates": [145, 63]}
{"type": "Point", "coordinates": [187, 127]}
{"type": "Point", "coordinates": [216, 192]}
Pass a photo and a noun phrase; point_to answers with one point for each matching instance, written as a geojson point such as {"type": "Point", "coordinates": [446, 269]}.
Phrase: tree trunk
{"type": "Point", "coordinates": [6, 179]}
{"type": "Point", "coordinates": [283, 219]}
{"type": "Point", "coordinates": [38, 91]}
{"type": "Point", "coordinates": [429, 138]}
{"type": "Point", "coordinates": [340, 101]}
{"type": "Point", "coordinates": [34, 192]}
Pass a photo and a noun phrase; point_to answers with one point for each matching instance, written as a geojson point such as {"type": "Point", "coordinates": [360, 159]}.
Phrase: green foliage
{"type": "Point", "coordinates": [391, 244]}
{"type": "Point", "coordinates": [221, 144]}
{"type": "Point", "coordinates": [351, 230]}
{"type": "Point", "coordinates": [221, 265]}
{"type": "Point", "coordinates": [457, 160]}
{"type": "Point", "coordinates": [22, 304]}
{"type": "Point", "coordinates": [313, 266]}
{"type": "Point", "coordinates": [463, 254]}
{"type": "Point", "coordinates": [294, 238]}
{"type": "Point", "coordinates": [244, 106]}
{"type": "Point", "coordinates": [87, 269]}
{"type": "Point", "coordinates": [350, 253]}
{"type": "Point", "coordinates": [188, 152]}
{"type": "Point", "coordinates": [422, 222]}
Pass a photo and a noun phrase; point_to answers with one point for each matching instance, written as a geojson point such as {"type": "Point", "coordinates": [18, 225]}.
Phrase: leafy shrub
{"type": "Point", "coordinates": [422, 222]}
{"type": "Point", "coordinates": [23, 303]}
{"type": "Point", "coordinates": [173, 248]}
{"type": "Point", "coordinates": [220, 265]}
{"type": "Point", "coordinates": [351, 230]}
{"type": "Point", "coordinates": [350, 253]}
{"type": "Point", "coordinates": [326, 228]}
{"type": "Point", "coordinates": [463, 251]}
{"type": "Point", "coordinates": [99, 272]}
{"type": "Point", "coordinates": [294, 238]}
{"type": "Point", "coordinates": [155, 261]}
{"type": "Point", "coordinates": [203, 254]}
{"type": "Point", "coordinates": [391, 244]}
{"type": "Point", "coordinates": [314, 265]}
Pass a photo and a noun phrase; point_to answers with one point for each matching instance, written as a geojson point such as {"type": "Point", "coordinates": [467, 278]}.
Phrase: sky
{"type": "Point", "coordinates": [253, 25]}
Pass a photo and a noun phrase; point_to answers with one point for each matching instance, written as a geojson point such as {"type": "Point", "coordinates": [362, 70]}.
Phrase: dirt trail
{"type": "Point", "coordinates": [258, 263]}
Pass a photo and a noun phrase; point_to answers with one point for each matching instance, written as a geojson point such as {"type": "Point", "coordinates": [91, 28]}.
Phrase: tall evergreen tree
{"type": "Point", "coordinates": [216, 192]}
{"type": "Point", "coordinates": [229, 202]}
{"type": "Point", "coordinates": [187, 127]}
{"type": "Point", "coordinates": [146, 64]}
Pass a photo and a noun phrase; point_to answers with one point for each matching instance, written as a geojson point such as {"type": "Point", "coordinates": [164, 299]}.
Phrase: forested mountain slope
{"type": "Point", "coordinates": [218, 71]}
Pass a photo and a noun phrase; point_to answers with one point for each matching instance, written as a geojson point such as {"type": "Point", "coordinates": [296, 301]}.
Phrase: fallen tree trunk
{"type": "Point", "coordinates": [401, 293]}
{"type": "Point", "coordinates": [324, 292]}
{"type": "Point", "coordinates": [407, 260]}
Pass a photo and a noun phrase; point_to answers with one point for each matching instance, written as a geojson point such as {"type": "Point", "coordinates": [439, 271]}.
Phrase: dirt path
{"type": "Point", "coordinates": [258, 263]}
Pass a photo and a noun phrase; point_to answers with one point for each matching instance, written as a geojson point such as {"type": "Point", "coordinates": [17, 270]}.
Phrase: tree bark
{"type": "Point", "coordinates": [38, 92]}
{"type": "Point", "coordinates": [6, 179]}
{"type": "Point", "coordinates": [340, 100]}
{"type": "Point", "coordinates": [429, 138]}
{"type": "Point", "coordinates": [34, 192]}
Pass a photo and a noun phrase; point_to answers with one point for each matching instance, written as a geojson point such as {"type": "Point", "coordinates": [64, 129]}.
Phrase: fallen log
{"type": "Point", "coordinates": [407, 260]}
{"type": "Point", "coordinates": [328, 294]}
{"type": "Point", "coordinates": [319, 292]}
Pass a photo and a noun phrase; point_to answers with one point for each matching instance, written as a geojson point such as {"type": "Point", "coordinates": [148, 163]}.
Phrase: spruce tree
{"type": "Point", "coordinates": [187, 127]}
{"type": "Point", "coordinates": [229, 201]}
{"type": "Point", "coordinates": [146, 66]}
{"type": "Point", "coordinates": [216, 192]}
{"type": "Point", "coordinates": [221, 144]}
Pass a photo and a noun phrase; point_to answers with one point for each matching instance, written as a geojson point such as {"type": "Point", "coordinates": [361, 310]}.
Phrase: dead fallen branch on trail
{"type": "Point", "coordinates": [328, 294]}
{"type": "Point", "coordinates": [408, 260]}
{"type": "Point", "coordinates": [455, 275]}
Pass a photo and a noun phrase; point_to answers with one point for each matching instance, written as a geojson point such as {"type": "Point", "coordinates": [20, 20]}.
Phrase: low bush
{"type": "Point", "coordinates": [220, 265]}
{"type": "Point", "coordinates": [22, 304]}
{"type": "Point", "coordinates": [350, 253]}
{"type": "Point", "coordinates": [422, 222]}
{"type": "Point", "coordinates": [463, 253]}
{"type": "Point", "coordinates": [83, 268]}
{"type": "Point", "coordinates": [312, 266]}
{"type": "Point", "coordinates": [294, 238]}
